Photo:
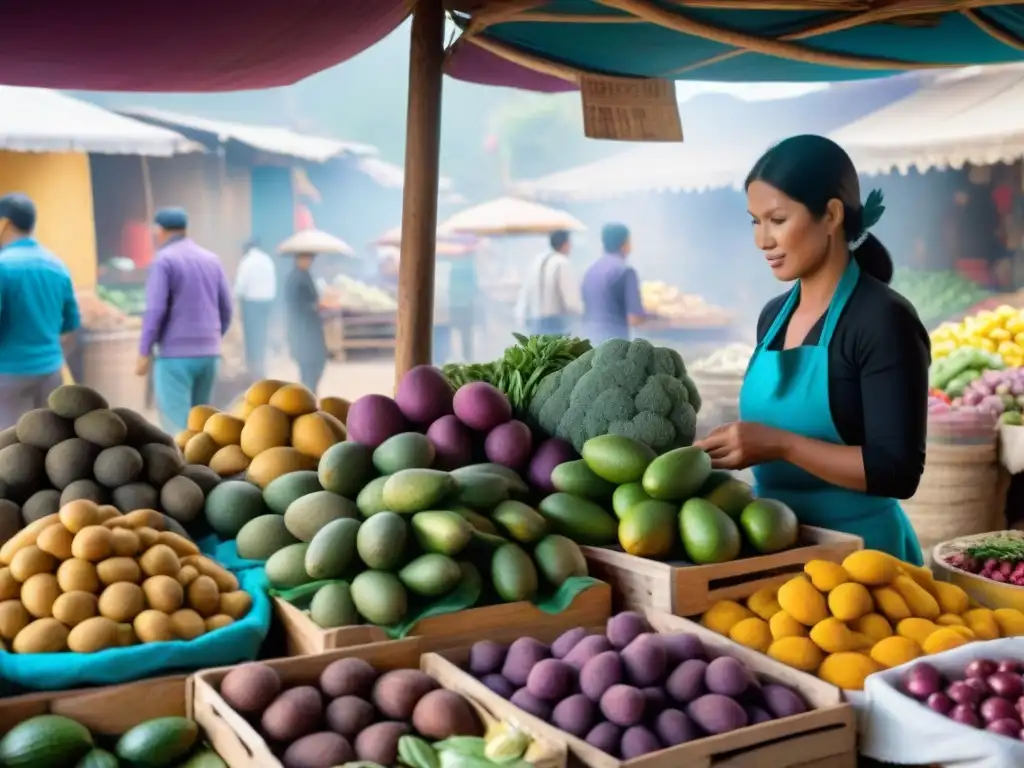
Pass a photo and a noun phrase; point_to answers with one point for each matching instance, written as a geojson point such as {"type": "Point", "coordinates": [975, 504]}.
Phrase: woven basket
{"type": "Point", "coordinates": [962, 492]}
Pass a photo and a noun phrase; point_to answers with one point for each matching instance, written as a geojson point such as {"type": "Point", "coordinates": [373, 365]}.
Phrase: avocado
{"type": "Point", "coordinates": [516, 484]}
{"type": "Point", "coordinates": [371, 499]}
{"type": "Point", "coordinates": [332, 606]}
{"type": "Point", "coordinates": [414, 490]}
{"type": "Point", "coordinates": [231, 505]}
{"type": "Point", "coordinates": [263, 536]}
{"type": "Point", "coordinates": [282, 491]}
{"type": "Point", "coordinates": [617, 458]}
{"type": "Point", "coordinates": [158, 742]}
{"type": "Point", "coordinates": [558, 559]}
{"type": "Point", "coordinates": [380, 541]}
{"type": "Point", "coordinates": [731, 496]}
{"type": "Point", "coordinates": [769, 525]}
{"type": "Point", "coordinates": [346, 468]}
{"type": "Point", "coordinates": [332, 551]}
{"type": "Point", "coordinates": [45, 740]}
{"type": "Point", "coordinates": [513, 574]}
{"type": "Point", "coordinates": [709, 535]}
{"type": "Point", "coordinates": [626, 497]}
{"type": "Point", "coordinates": [577, 478]}
{"type": "Point", "coordinates": [431, 575]}
{"type": "Point", "coordinates": [579, 519]}
{"type": "Point", "coordinates": [521, 521]}
{"type": "Point", "coordinates": [649, 529]}
{"type": "Point", "coordinates": [408, 450]}
{"type": "Point", "coordinates": [478, 521]}
{"type": "Point", "coordinates": [479, 489]}
{"type": "Point", "coordinates": [379, 597]}
{"type": "Point", "coordinates": [677, 475]}
{"type": "Point", "coordinates": [307, 515]}
{"type": "Point", "coordinates": [441, 531]}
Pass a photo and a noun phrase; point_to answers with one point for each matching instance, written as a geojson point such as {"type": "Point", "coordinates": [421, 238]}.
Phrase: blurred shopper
{"type": "Point", "coordinates": [611, 289]}
{"type": "Point", "coordinates": [550, 295]}
{"type": "Point", "coordinates": [37, 307]}
{"type": "Point", "coordinates": [306, 340]}
{"type": "Point", "coordinates": [256, 289]}
{"type": "Point", "coordinates": [188, 311]}
{"type": "Point", "coordinates": [463, 294]}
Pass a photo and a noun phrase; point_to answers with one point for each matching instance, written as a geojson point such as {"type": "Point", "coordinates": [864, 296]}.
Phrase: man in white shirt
{"type": "Point", "coordinates": [550, 294]}
{"type": "Point", "coordinates": [256, 289]}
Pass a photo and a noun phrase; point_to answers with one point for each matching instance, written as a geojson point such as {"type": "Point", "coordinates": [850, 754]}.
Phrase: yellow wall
{"type": "Point", "coordinates": [61, 186]}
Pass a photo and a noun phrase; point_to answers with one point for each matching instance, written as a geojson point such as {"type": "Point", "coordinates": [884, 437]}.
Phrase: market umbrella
{"type": "Point", "coordinates": [449, 244]}
{"type": "Point", "coordinates": [512, 216]}
{"type": "Point", "coordinates": [315, 241]}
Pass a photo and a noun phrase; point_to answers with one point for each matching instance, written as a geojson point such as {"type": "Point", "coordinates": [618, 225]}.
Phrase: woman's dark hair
{"type": "Point", "coordinates": [558, 239]}
{"type": "Point", "coordinates": [813, 170]}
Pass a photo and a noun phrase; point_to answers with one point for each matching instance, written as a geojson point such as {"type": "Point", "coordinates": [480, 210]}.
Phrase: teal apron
{"type": "Point", "coordinates": [788, 390]}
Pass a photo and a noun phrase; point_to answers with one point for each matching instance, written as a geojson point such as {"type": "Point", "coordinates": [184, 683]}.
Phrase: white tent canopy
{"type": "Point", "coordinates": [974, 115]}
{"type": "Point", "coordinates": [41, 120]}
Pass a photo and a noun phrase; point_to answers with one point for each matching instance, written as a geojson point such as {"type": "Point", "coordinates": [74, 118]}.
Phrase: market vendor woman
{"type": "Point", "coordinates": [833, 408]}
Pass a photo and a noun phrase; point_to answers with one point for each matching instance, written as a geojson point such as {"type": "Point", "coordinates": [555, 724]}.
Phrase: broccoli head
{"type": "Point", "coordinates": [621, 387]}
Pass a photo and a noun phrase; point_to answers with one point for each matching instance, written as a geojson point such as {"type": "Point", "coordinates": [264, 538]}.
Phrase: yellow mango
{"type": "Point", "coordinates": [874, 625]}
{"type": "Point", "coordinates": [943, 639]}
{"type": "Point", "coordinates": [871, 567]}
{"type": "Point", "coordinates": [802, 601]}
{"type": "Point", "coordinates": [832, 636]}
{"type": "Point", "coordinates": [763, 602]}
{"type": "Point", "coordinates": [825, 575]}
{"type": "Point", "coordinates": [920, 603]}
{"type": "Point", "coordinates": [950, 620]}
{"type": "Point", "coordinates": [797, 652]}
{"type": "Point", "coordinates": [916, 629]}
{"type": "Point", "coordinates": [753, 633]}
{"type": "Point", "coordinates": [847, 670]}
{"type": "Point", "coordinates": [724, 615]}
{"type": "Point", "coordinates": [1010, 622]}
{"type": "Point", "coordinates": [963, 631]}
{"type": "Point", "coordinates": [923, 576]}
{"type": "Point", "coordinates": [850, 601]}
{"type": "Point", "coordinates": [783, 625]}
{"type": "Point", "coordinates": [894, 651]}
{"type": "Point", "coordinates": [982, 622]}
{"type": "Point", "coordinates": [890, 604]}
{"type": "Point", "coordinates": [951, 598]}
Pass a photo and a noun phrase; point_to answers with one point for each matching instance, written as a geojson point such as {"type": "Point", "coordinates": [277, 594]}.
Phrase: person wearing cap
{"type": "Point", "coordinates": [255, 289]}
{"type": "Point", "coordinates": [37, 307]}
{"type": "Point", "coordinates": [188, 311]}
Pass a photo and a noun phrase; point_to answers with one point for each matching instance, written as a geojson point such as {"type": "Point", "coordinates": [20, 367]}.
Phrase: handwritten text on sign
{"type": "Point", "coordinates": [630, 109]}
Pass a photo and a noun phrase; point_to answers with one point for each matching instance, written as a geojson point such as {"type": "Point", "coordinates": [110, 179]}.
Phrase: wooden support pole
{"type": "Point", "coordinates": [419, 194]}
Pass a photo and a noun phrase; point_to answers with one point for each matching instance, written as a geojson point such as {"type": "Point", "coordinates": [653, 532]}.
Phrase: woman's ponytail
{"type": "Point", "coordinates": [874, 258]}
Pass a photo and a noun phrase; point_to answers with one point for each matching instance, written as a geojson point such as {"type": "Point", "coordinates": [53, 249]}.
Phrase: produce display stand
{"type": "Point", "coordinates": [686, 590]}
{"type": "Point", "coordinates": [347, 332]}
{"type": "Point", "coordinates": [984, 592]}
{"type": "Point", "coordinates": [824, 736]}
{"type": "Point", "coordinates": [241, 746]}
{"type": "Point", "coordinates": [592, 605]}
{"type": "Point", "coordinates": [110, 710]}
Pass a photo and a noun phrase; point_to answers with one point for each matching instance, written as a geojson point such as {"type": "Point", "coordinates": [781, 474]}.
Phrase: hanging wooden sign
{"type": "Point", "coordinates": [630, 109]}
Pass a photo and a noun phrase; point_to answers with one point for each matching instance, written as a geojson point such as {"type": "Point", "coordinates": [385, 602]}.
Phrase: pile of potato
{"type": "Point", "coordinates": [276, 424]}
{"type": "Point", "coordinates": [89, 578]}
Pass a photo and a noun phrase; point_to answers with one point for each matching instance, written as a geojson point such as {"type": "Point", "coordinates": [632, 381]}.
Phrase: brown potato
{"type": "Point", "coordinates": [187, 575]}
{"type": "Point", "coordinates": [218, 622]}
{"type": "Point", "coordinates": [181, 546]}
{"type": "Point", "coordinates": [56, 540]}
{"type": "Point", "coordinates": [77, 575]}
{"type": "Point", "coordinates": [163, 593]}
{"type": "Point", "coordinates": [95, 634]}
{"type": "Point", "coordinates": [13, 618]}
{"type": "Point", "coordinates": [41, 636]}
{"type": "Point", "coordinates": [30, 561]}
{"type": "Point", "coordinates": [125, 542]}
{"type": "Point", "coordinates": [226, 581]}
{"type": "Point", "coordinates": [9, 586]}
{"type": "Point", "coordinates": [203, 596]}
{"type": "Point", "coordinates": [39, 593]}
{"type": "Point", "coordinates": [160, 560]}
{"type": "Point", "coordinates": [122, 601]}
{"type": "Point", "coordinates": [147, 537]}
{"type": "Point", "coordinates": [153, 627]}
{"type": "Point", "coordinates": [115, 569]}
{"type": "Point", "coordinates": [25, 537]}
{"type": "Point", "coordinates": [93, 543]}
{"type": "Point", "coordinates": [79, 514]}
{"type": "Point", "coordinates": [73, 608]}
{"type": "Point", "coordinates": [236, 604]}
{"type": "Point", "coordinates": [187, 624]}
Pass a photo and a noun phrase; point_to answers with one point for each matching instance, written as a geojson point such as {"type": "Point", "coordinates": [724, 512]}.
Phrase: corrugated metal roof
{"type": "Point", "coordinates": [42, 120]}
{"type": "Point", "coordinates": [267, 138]}
{"type": "Point", "coordinates": [965, 116]}
{"type": "Point", "coordinates": [390, 175]}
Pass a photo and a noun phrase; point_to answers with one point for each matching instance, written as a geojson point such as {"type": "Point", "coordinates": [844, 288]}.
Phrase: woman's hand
{"type": "Point", "coordinates": [742, 444]}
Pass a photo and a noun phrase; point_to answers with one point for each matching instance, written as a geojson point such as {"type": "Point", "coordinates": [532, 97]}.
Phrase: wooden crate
{"type": "Point", "coordinates": [110, 710]}
{"type": "Point", "coordinates": [591, 606]}
{"type": "Point", "coordinates": [686, 590]}
{"type": "Point", "coordinates": [241, 746]}
{"type": "Point", "coordinates": [825, 734]}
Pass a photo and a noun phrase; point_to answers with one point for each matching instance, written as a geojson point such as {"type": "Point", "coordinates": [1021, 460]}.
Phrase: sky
{"type": "Point", "coordinates": [686, 90]}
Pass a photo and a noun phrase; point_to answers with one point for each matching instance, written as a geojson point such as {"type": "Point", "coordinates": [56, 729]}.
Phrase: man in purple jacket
{"type": "Point", "coordinates": [188, 311]}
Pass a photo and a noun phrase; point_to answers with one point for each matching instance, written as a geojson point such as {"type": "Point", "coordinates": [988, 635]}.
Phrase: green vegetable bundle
{"type": "Point", "coordinates": [952, 374]}
{"type": "Point", "coordinates": [937, 296]}
{"type": "Point", "coordinates": [522, 366]}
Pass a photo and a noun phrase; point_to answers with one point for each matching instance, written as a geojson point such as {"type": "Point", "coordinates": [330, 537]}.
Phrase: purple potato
{"type": "Point", "coordinates": [921, 681]}
{"type": "Point", "coordinates": [486, 657]}
{"type": "Point", "coordinates": [549, 455]}
{"type": "Point", "coordinates": [601, 673]}
{"type": "Point", "coordinates": [637, 741]}
{"type": "Point", "coordinates": [509, 444]}
{"type": "Point", "coordinates": [500, 685]}
{"type": "Point", "coordinates": [625, 627]}
{"type": "Point", "coordinates": [586, 649]}
{"type": "Point", "coordinates": [686, 683]}
{"type": "Point", "coordinates": [575, 715]}
{"type": "Point", "coordinates": [674, 727]}
{"type": "Point", "coordinates": [567, 641]}
{"type": "Point", "coordinates": [372, 419]}
{"type": "Point", "coordinates": [318, 749]}
{"type": "Point", "coordinates": [727, 676]}
{"type": "Point", "coordinates": [716, 714]}
{"type": "Point", "coordinates": [453, 443]}
{"type": "Point", "coordinates": [756, 714]}
{"type": "Point", "coordinates": [645, 660]}
{"type": "Point", "coordinates": [522, 655]}
{"type": "Point", "coordinates": [348, 715]}
{"type": "Point", "coordinates": [624, 705]}
{"type": "Point", "coordinates": [657, 700]}
{"type": "Point", "coordinates": [782, 701]}
{"type": "Point", "coordinates": [481, 406]}
{"type": "Point", "coordinates": [527, 702]}
{"type": "Point", "coordinates": [424, 395]}
{"type": "Point", "coordinates": [606, 737]}
{"type": "Point", "coordinates": [682, 647]}
{"type": "Point", "coordinates": [551, 680]}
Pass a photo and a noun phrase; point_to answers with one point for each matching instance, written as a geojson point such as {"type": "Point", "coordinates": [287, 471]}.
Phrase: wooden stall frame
{"type": "Point", "coordinates": [241, 746]}
{"type": "Point", "coordinates": [824, 735]}
{"type": "Point", "coordinates": [592, 606]}
{"type": "Point", "coordinates": [110, 710]}
{"type": "Point", "coordinates": [687, 590]}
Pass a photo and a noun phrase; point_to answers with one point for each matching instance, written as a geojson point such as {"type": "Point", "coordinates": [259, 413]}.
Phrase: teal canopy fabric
{"type": "Point", "coordinates": [640, 48]}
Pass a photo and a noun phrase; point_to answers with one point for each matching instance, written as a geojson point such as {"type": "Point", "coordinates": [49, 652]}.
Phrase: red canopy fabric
{"type": "Point", "coordinates": [187, 45]}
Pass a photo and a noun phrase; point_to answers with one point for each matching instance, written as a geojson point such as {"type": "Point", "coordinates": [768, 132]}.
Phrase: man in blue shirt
{"type": "Point", "coordinates": [37, 307]}
{"type": "Point", "coordinates": [611, 290]}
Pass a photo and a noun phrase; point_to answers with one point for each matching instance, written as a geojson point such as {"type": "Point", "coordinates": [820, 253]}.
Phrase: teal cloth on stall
{"type": "Point", "coordinates": [233, 644]}
{"type": "Point", "coordinates": [225, 553]}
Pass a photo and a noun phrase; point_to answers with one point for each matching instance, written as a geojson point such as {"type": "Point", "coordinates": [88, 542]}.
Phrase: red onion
{"type": "Point", "coordinates": [921, 681]}
{"type": "Point", "coordinates": [979, 684]}
{"type": "Point", "coordinates": [981, 668]}
{"type": "Point", "coordinates": [1008, 728]}
{"type": "Point", "coordinates": [965, 715]}
{"type": "Point", "coordinates": [963, 694]}
{"type": "Point", "coordinates": [995, 708]}
{"type": "Point", "coordinates": [1008, 665]}
{"type": "Point", "coordinates": [1006, 684]}
{"type": "Point", "coordinates": [940, 703]}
